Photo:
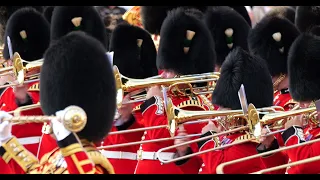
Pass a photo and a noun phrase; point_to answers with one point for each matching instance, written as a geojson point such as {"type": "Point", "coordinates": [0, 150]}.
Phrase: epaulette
{"type": "Point", "coordinates": [34, 87]}
{"type": "Point", "coordinates": [192, 102]}
{"type": "Point", "coordinates": [246, 137]}
{"type": "Point", "coordinates": [137, 108]}
{"type": "Point", "coordinates": [99, 159]}
{"type": "Point", "coordinates": [291, 103]}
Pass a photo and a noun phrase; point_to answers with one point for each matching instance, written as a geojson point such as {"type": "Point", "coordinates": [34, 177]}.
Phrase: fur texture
{"type": "Point", "coordinates": [132, 61]}
{"type": "Point", "coordinates": [262, 44]}
{"type": "Point", "coordinates": [307, 17]}
{"type": "Point", "coordinates": [91, 22]}
{"type": "Point", "coordinates": [48, 13]}
{"type": "Point", "coordinates": [76, 71]}
{"type": "Point", "coordinates": [283, 11]}
{"type": "Point", "coordinates": [201, 56]}
{"type": "Point", "coordinates": [218, 19]}
{"type": "Point", "coordinates": [242, 68]}
{"type": "Point", "coordinates": [243, 12]}
{"type": "Point", "coordinates": [303, 68]}
{"type": "Point", "coordinates": [153, 16]}
{"type": "Point", "coordinates": [6, 12]}
{"type": "Point", "coordinates": [37, 30]}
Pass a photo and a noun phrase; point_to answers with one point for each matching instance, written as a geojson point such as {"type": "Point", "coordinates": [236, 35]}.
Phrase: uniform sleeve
{"type": "Point", "coordinates": [130, 124]}
{"type": "Point", "coordinates": [275, 159]}
{"type": "Point", "coordinates": [294, 135]}
{"type": "Point", "coordinates": [191, 165]}
{"type": "Point", "coordinates": [34, 98]}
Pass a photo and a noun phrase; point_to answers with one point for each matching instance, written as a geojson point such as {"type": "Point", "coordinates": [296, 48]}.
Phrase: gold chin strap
{"type": "Point", "coordinates": [278, 81]}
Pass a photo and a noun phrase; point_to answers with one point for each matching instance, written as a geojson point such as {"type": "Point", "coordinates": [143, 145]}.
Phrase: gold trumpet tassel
{"type": "Point", "coordinates": [139, 42]}
{"type": "Point", "coordinates": [76, 21]}
{"type": "Point", "coordinates": [190, 35]}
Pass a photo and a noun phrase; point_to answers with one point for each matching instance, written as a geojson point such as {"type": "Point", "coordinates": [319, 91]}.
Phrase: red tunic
{"type": "Point", "coordinates": [71, 158]}
{"type": "Point", "coordinates": [212, 159]}
{"type": "Point", "coordinates": [154, 114]}
{"type": "Point", "coordinates": [124, 159]}
{"type": "Point", "coordinates": [28, 134]}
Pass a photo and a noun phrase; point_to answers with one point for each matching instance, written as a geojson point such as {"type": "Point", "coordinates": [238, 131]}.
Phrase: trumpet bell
{"type": "Point", "coordinates": [18, 69]}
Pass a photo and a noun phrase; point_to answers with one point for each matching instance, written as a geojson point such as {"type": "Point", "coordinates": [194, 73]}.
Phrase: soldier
{"type": "Point", "coordinates": [30, 40]}
{"type": "Point", "coordinates": [153, 17]}
{"type": "Point", "coordinates": [48, 13]}
{"type": "Point", "coordinates": [186, 47]}
{"type": "Point", "coordinates": [271, 40]}
{"type": "Point", "coordinates": [304, 88]}
{"type": "Point", "coordinates": [6, 12]}
{"type": "Point", "coordinates": [307, 17]}
{"type": "Point", "coordinates": [228, 29]}
{"type": "Point", "coordinates": [239, 68]}
{"type": "Point", "coordinates": [64, 73]}
{"type": "Point", "coordinates": [135, 56]}
{"type": "Point", "coordinates": [73, 18]}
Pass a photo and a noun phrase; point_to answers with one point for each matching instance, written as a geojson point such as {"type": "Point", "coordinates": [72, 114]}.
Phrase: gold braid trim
{"type": "Point", "coordinates": [191, 103]}
{"type": "Point", "coordinates": [99, 159]}
{"type": "Point", "coordinates": [206, 101]}
{"type": "Point", "coordinates": [34, 87]}
{"type": "Point", "coordinates": [137, 108]}
{"type": "Point", "coordinates": [246, 137]}
{"type": "Point", "coordinates": [14, 150]}
{"type": "Point", "coordinates": [71, 149]}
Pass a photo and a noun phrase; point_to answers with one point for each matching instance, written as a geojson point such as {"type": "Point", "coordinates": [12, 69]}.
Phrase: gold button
{"type": "Point", "coordinates": [145, 133]}
{"type": "Point", "coordinates": [26, 160]}
{"type": "Point", "coordinates": [13, 145]}
{"type": "Point", "coordinates": [142, 138]}
{"type": "Point", "coordinates": [15, 149]}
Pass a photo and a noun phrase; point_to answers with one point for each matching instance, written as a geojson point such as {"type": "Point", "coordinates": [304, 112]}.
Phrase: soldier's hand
{"type": "Point", "coordinates": [125, 110]}
{"type": "Point", "coordinates": [210, 127]}
{"type": "Point", "coordinates": [181, 149]}
{"type": "Point", "coordinates": [266, 140]}
{"type": "Point", "coordinates": [58, 128]}
{"type": "Point", "coordinates": [5, 127]}
{"type": "Point", "coordinates": [154, 91]}
{"type": "Point", "coordinates": [20, 92]}
{"type": "Point", "coordinates": [295, 121]}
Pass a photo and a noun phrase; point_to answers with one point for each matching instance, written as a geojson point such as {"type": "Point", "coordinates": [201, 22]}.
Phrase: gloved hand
{"type": "Point", "coordinates": [58, 129]}
{"type": "Point", "coordinates": [5, 127]}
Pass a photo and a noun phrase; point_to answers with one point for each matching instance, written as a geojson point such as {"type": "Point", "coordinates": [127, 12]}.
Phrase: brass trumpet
{"type": "Point", "coordinates": [131, 85]}
{"type": "Point", "coordinates": [276, 117]}
{"type": "Point", "coordinates": [21, 73]}
{"type": "Point", "coordinates": [220, 167]}
{"type": "Point", "coordinates": [249, 128]}
{"type": "Point", "coordinates": [74, 119]}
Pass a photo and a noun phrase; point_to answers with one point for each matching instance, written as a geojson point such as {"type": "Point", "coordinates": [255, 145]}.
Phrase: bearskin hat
{"type": "Point", "coordinates": [186, 45]}
{"type": "Point", "coordinates": [303, 64]}
{"type": "Point", "coordinates": [315, 30]}
{"type": "Point", "coordinates": [242, 68]}
{"type": "Point", "coordinates": [153, 16]}
{"type": "Point", "coordinates": [29, 33]}
{"type": "Point", "coordinates": [271, 39]}
{"type": "Point", "coordinates": [48, 13]}
{"type": "Point", "coordinates": [283, 11]}
{"type": "Point", "coordinates": [243, 12]}
{"type": "Point", "coordinates": [76, 71]}
{"type": "Point", "coordinates": [307, 17]}
{"type": "Point", "coordinates": [6, 12]}
{"type": "Point", "coordinates": [228, 29]}
{"type": "Point", "coordinates": [71, 18]}
{"type": "Point", "coordinates": [134, 51]}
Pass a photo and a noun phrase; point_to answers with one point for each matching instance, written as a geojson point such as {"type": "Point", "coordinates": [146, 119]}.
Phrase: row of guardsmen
{"type": "Point", "coordinates": [180, 90]}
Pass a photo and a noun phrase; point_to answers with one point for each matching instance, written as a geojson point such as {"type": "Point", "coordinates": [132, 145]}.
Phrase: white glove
{"type": "Point", "coordinates": [58, 129]}
{"type": "Point", "coordinates": [5, 127]}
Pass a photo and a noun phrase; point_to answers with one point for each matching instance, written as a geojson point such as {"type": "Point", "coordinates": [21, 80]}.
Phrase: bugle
{"type": "Point", "coordinates": [22, 73]}
{"type": "Point", "coordinates": [131, 85]}
{"type": "Point", "coordinates": [74, 119]}
{"type": "Point", "coordinates": [20, 109]}
{"type": "Point", "coordinates": [221, 167]}
{"type": "Point", "coordinates": [249, 128]}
